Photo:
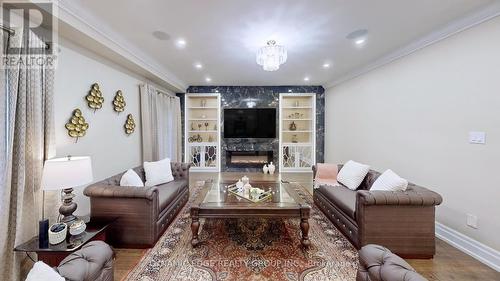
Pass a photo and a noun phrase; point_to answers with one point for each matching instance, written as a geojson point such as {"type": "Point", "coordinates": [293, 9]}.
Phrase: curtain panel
{"type": "Point", "coordinates": [27, 140]}
{"type": "Point", "coordinates": [161, 125]}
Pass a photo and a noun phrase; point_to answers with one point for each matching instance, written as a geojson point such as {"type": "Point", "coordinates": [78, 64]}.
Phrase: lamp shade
{"type": "Point", "coordinates": [67, 172]}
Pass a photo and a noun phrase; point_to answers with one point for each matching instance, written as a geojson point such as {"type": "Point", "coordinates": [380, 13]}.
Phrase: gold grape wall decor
{"type": "Point", "coordinates": [129, 125]}
{"type": "Point", "coordinates": [95, 98]}
{"type": "Point", "coordinates": [77, 127]}
{"type": "Point", "coordinates": [119, 102]}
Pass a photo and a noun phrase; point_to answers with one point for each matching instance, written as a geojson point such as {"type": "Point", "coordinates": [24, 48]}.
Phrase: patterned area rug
{"type": "Point", "coordinates": [249, 249]}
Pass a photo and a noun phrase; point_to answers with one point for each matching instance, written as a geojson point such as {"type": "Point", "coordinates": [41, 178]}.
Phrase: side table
{"type": "Point", "coordinates": [54, 254]}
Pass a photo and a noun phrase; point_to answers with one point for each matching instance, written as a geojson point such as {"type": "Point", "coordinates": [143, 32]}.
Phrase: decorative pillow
{"type": "Point", "coordinates": [43, 272]}
{"type": "Point", "coordinates": [131, 178]}
{"type": "Point", "coordinates": [352, 174]}
{"type": "Point", "coordinates": [390, 181]}
{"type": "Point", "coordinates": [158, 172]}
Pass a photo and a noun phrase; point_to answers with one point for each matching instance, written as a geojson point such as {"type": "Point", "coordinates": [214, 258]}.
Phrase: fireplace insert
{"type": "Point", "coordinates": [248, 159]}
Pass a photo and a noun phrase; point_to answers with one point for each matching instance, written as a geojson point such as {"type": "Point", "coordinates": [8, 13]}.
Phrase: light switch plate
{"type": "Point", "coordinates": [477, 137]}
{"type": "Point", "coordinates": [472, 221]}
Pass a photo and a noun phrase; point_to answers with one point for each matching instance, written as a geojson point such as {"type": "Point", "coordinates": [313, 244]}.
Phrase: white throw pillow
{"type": "Point", "coordinates": [352, 174]}
{"type": "Point", "coordinates": [158, 172]}
{"type": "Point", "coordinates": [131, 178]}
{"type": "Point", "coordinates": [390, 181]}
{"type": "Point", "coordinates": [43, 272]}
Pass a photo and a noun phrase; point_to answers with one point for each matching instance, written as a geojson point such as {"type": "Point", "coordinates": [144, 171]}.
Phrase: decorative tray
{"type": "Point", "coordinates": [241, 194]}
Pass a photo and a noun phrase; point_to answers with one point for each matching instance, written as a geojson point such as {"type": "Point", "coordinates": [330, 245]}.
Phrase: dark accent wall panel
{"type": "Point", "coordinates": [262, 97]}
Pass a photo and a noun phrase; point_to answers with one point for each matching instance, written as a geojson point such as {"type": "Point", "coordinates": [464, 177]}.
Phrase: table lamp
{"type": "Point", "coordinates": [64, 174]}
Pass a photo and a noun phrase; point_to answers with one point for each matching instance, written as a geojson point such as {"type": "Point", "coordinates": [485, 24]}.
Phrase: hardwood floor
{"type": "Point", "coordinates": [448, 263]}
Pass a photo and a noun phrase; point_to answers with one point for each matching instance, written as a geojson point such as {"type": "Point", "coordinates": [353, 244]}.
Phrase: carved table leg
{"type": "Point", "coordinates": [304, 226]}
{"type": "Point", "coordinates": [195, 225]}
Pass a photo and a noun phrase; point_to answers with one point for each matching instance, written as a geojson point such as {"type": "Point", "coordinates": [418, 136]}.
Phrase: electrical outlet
{"type": "Point", "coordinates": [472, 221]}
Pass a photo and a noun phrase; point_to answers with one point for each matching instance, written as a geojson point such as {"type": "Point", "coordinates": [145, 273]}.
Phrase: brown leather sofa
{"type": "Point", "coordinates": [401, 221]}
{"type": "Point", "coordinates": [142, 213]}
{"type": "Point", "coordinates": [377, 263]}
{"type": "Point", "coordinates": [93, 262]}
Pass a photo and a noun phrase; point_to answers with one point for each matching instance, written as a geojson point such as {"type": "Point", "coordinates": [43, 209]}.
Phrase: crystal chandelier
{"type": "Point", "coordinates": [271, 56]}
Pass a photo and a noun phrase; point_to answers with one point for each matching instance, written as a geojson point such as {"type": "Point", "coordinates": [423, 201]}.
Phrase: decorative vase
{"type": "Point", "coordinates": [265, 169]}
{"type": "Point", "coordinates": [293, 126]}
{"type": "Point", "coordinates": [239, 185]}
{"type": "Point", "coordinates": [245, 180]}
{"type": "Point", "coordinates": [246, 189]}
{"type": "Point", "coordinates": [272, 168]}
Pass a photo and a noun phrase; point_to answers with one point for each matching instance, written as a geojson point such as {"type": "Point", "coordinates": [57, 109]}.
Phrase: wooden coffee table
{"type": "Point", "coordinates": [216, 202]}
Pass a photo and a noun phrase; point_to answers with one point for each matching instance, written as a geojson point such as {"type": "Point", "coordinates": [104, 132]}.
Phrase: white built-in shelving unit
{"type": "Point", "coordinates": [202, 132]}
{"type": "Point", "coordinates": [297, 143]}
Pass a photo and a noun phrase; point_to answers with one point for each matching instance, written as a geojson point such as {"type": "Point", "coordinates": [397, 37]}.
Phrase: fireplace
{"type": "Point", "coordinates": [248, 159]}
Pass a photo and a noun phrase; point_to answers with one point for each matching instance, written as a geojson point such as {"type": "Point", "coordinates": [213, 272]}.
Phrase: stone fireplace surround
{"type": "Point", "coordinates": [260, 97]}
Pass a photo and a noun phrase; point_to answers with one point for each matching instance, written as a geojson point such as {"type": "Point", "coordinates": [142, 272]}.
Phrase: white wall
{"type": "Point", "coordinates": [112, 151]}
{"type": "Point", "coordinates": [414, 115]}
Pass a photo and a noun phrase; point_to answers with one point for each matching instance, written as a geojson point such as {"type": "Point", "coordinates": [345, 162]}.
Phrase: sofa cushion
{"type": "Point", "coordinates": [352, 174]}
{"type": "Point", "coordinates": [167, 192]}
{"type": "Point", "coordinates": [342, 197]}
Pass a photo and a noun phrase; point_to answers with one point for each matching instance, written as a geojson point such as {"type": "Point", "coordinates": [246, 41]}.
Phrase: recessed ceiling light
{"type": "Point", "coordinates": [181, 43]}
{"type": "Point", "coordinates": [360, 41]}
{"type": "Point", "coordinates": [208, 79]}
{"type": "Point", "coordinates": [326, 65]}
{"type": "Point", "coordinates": [198, 65]}
{"type": "Point", "coordinates": [160, 35]}
{"type": "Point", "coordinates": [306, 78]}
{"type": "Point", "coordinates": [358, 36]}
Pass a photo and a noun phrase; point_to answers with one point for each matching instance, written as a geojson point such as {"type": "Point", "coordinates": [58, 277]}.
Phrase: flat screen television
{"type": "Point", "coordinates": [250, 123]}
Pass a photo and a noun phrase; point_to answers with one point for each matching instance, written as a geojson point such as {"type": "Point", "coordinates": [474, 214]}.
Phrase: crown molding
{"type": "Point", "coordinates": [489, 12]}
{"type": "Point", "coordinates": [130, 56]}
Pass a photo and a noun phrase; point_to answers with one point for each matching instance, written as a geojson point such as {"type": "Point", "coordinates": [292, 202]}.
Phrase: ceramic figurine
{"type": "Point", "coordinates": [265, 169]}
{"type": "Point", "coordinates": [245, 180]}
{"type": "Point", "coordinates": [272, 168]}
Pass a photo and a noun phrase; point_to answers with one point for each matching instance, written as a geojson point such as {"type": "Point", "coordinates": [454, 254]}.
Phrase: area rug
{"type": "Point", "coordinates": [249, 249]}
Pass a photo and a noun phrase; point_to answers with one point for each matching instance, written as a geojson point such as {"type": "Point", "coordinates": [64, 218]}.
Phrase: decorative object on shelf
{"type": "Point", "coordinates": [119, 102]}
{"type": "Point", "coordinates": [95, 98]}
{"type": "Point", "coordinates": [192, 126]}
{"type": "Point", "coordinates": [296, 103]}
{"type": "Point", "coordinates": [199, 127]}
{"type": "Point", "coordinates": [210, 138]}
{"type": "Point", "coordinates": [295, 139]}
{"type": "Point", "coordinates": [196, 138]}
{"type": "Point", "coordinates": [206, 126]}
{"type": "Point", "coordinates": [77, 127]}
{"type": "Point", "coordinates": [293, 126]}
{"type": "Point", "coordinates": [57, 233]}
{"type": "Point", "coordinates": [215, 127]}
{"type": "Point", "coordinates": [245, 180]}
{"type": "Point", "coordinates": [265, 169]}
{"type": "Point", "coordinates": [203, 116]}
{"type": "Point", "coordinates": [64, 174]}
{"type": "Point", "coordinates": [77, 228]}
{"type": "Point", "coordinates": [203, 103]}
{"type": "Point", "coordinates": [270, 57]}
{"type": "Point", "coordinates": [272, 168]}
{"type": "Point", "coordinates": [129, 125]}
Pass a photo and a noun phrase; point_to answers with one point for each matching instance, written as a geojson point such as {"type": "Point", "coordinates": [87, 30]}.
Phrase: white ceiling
{"type": "Point", "coordinates": [224, 35]}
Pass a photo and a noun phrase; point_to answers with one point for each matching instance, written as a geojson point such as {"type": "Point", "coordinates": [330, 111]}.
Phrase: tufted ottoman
{"type": "Point", "coordinates": [378, 263]}
{"type": "Point", "coordinates": [93, 262]}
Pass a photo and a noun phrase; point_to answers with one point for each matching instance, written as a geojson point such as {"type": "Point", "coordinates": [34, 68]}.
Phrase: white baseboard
{"type": "Point", "coordinates": [473, 248]}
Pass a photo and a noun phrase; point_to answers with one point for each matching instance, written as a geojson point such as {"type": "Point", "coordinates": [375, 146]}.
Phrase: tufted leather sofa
{"type": "Point", "coordinates": [377, 263]}
{"type": "Point", "coordinates": [401, 221]}
{"type": "Point", "coordinates": [142, 213]}
{"type": "Point", "coordinates": [93, 262]}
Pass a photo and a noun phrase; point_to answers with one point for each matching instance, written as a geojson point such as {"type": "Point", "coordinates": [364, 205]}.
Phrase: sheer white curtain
{"type": "Point", "coordinates": [27, 140]}
{"type": "Point", "coordinates": [161, 125]}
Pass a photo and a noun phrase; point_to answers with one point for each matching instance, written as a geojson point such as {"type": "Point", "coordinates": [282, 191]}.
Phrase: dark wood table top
{"type": "Point", "coordinates": [71, 243]}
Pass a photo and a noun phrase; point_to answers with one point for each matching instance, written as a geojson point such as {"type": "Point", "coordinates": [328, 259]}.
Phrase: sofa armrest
{"type": "Point", "coordinates": [94, 261]}
{"type": "Point", "coordinates": [414, 197]}
{"type": "Point", "coordinates": [113, 191]}
{"type": "Point", "coordinates": [180, 170]}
